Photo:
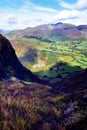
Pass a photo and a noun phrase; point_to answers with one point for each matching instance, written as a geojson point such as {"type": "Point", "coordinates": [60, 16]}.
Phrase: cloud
{"type": "Point", "coordinates": [75, 13]}
{"type": "Point", "coordinates": [40, 8]}
{"type": "Point", "coordinates": [11, 18]}
{"type": "Point", "coordinates": [80, 4]}
{"type": "Point", "coordinates": [30, 15]}
{"type": "Point", "coordinates": [76, 17]}
{"type": "Point", "coordinates": [31, 6]}
{"type": "Point", "coordinates": [65, 4]}
{"type": "Point", "coordinates": [21, 18]}
{"type": "Point", "coordinates": [66, 14]}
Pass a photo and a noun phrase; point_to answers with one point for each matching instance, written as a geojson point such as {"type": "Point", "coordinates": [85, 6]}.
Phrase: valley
{"type": "Point", "coordinates": [59, 58]}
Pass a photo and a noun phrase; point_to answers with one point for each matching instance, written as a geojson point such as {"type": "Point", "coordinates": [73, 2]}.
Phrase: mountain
{"type": "Point", "coordinates": [2, 31]}
{"type": "Point", "coordinates": [10, 65]}
{"type": "Point", "coordinates": [53, 31]}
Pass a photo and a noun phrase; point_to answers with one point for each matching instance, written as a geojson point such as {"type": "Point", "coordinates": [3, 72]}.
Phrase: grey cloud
{"type": "Point", "coordinates": [12, 20]}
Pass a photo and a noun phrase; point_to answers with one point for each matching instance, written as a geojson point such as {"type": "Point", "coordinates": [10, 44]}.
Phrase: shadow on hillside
{"type": "Point", "coordinates": [73, 79]}
{"type": "Point", "coordinates": [81, 125]}
{"type": "Point", "coordinates": [30, 55]}
{"type": "Point", "coordinates": [58, 72]}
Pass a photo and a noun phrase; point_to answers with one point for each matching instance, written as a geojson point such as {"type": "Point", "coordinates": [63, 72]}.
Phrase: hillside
{"type": "Point", "coordinates": [10, 65]}
{"type": "Point", "coordinates": [39, 107]}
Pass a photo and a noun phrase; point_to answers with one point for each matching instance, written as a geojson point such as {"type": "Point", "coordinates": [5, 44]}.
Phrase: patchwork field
{"type": "Point", "coordinates": [51, 60]}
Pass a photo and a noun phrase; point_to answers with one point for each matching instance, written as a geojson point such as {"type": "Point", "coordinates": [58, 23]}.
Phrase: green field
{"type": "Point", "coordinates": [51, 60]}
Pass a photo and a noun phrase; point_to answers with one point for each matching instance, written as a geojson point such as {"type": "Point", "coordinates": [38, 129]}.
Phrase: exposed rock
{"type": "Point", "coordinates": [40, 63]}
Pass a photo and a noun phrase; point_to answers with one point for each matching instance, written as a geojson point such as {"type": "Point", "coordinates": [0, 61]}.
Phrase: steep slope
{"type": "Point", "coordinates": [10, 65]}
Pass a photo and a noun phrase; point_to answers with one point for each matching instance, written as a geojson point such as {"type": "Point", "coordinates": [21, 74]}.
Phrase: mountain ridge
{"type": "Point", "coordinates": [51, 31]}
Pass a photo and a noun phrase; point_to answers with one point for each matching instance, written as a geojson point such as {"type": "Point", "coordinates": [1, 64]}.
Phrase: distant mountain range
{"type": "Point", "coordinates": [2, 31]}
{"type": "Point", "coordinates": [50, 32]}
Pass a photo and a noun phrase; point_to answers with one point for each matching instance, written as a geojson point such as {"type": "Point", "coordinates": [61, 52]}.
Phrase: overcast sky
{"type": "Point", "coordinates": [19, 14]}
